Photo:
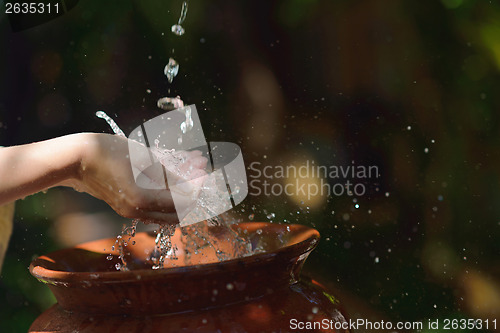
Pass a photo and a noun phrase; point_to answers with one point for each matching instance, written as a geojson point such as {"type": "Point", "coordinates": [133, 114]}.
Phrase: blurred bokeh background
{"type": "Point", "coordinates": [411, 87]}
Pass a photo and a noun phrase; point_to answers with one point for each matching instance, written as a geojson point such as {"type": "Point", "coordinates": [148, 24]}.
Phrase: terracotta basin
{"type": "Point", "coordinates": [258, 293]}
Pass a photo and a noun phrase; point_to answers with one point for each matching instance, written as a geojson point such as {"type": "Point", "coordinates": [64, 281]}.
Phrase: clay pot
{"type": "Point", "coordinates": [258, 293]}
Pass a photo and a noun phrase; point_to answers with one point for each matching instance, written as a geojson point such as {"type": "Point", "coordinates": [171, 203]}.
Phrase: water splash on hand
{"type": "Point", "coordinates": [111, 122]}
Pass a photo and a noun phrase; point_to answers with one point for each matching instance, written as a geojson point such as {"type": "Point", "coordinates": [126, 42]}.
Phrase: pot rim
{"type": "Point", "coordinates": [57, 277]}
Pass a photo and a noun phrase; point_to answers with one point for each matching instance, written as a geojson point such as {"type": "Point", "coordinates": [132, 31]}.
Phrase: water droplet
{"type": "Point", "coordinates": [259, 231]}
{"type": "Point", "coordinates": [271, 216]}
{"type": "Point", "coordinates": [171, 69]}
{"type": "Point", "coordinates": [111, 122]}
{"type": "Point", "coordinates": [408, 128]}
{"type": "Point", "coordinates": [110, 257]}
{"type": "Point", "coordinates": [170, 103]}
{"type": "Point", "coordinates": [251, 217]}
{"type": "Point", "coordinates": [148, 91]}
{"type": "Point", "coordinates": [229, 286]}
{"type": "Point", "coordinates": [426, 150]}
{"type": "Point", "coordinates": [387, 194]}
{"type": "Point", "coordinates": [118, 266]}
{"type": "Point", "coordinates": [377, 260]}
{"type": "Point", "coordinates": [356, 206]}
{"type": "Point", "coordinates": [177, 29]}
{"type": "Point", "coordinates": [315, 310]}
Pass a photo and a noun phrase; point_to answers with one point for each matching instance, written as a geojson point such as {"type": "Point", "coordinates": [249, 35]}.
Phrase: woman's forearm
{"type": "Point", "coordinates": [98, 164]}
{"type": "Point", "coordinates": [30, 168]}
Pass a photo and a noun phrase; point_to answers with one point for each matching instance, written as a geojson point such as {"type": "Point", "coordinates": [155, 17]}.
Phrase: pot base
{"type": "Point", "coordinates": [278, 311]}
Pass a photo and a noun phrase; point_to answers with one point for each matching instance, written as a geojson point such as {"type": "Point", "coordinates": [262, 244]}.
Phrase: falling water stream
{"type": "Point", "coordinates": [177, 28]}
{"type": "Point", "coordinates": [212, 232]}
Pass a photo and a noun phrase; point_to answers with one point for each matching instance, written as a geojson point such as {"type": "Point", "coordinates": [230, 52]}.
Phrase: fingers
{"type": "Point", "coordinates": [197, 177]}
{"type": "Point", "coordinates": [192, 164]}
{"type": "Point", "coordinates": [191, 184]}
{"type": "Point", "coordinates": [154, 171]}
{"type": "Point", "coordinates": [152, 203]}
{"type": "Point", "coordinates": [199, 162]}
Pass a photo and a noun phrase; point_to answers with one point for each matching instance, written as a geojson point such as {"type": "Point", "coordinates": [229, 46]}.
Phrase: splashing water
{"type": "Point", "coordinates": [171, 69]}
{"type": "Point", "coordinates": [163, 247]}
{"type": "Point", "coordinates": [214, 233]}
{"type": "Point", "coordinates": [111, 122]}
{"type": "Point", "coordinates": [177, 29]}
{"type": "Point", "coordinates": [122, 240]}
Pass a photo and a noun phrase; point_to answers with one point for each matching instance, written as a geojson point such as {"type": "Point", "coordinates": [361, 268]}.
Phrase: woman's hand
{"type": "Point", "coordinates": [105, 172]}
{"type": "Point", "coordinates": [98, 164]}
